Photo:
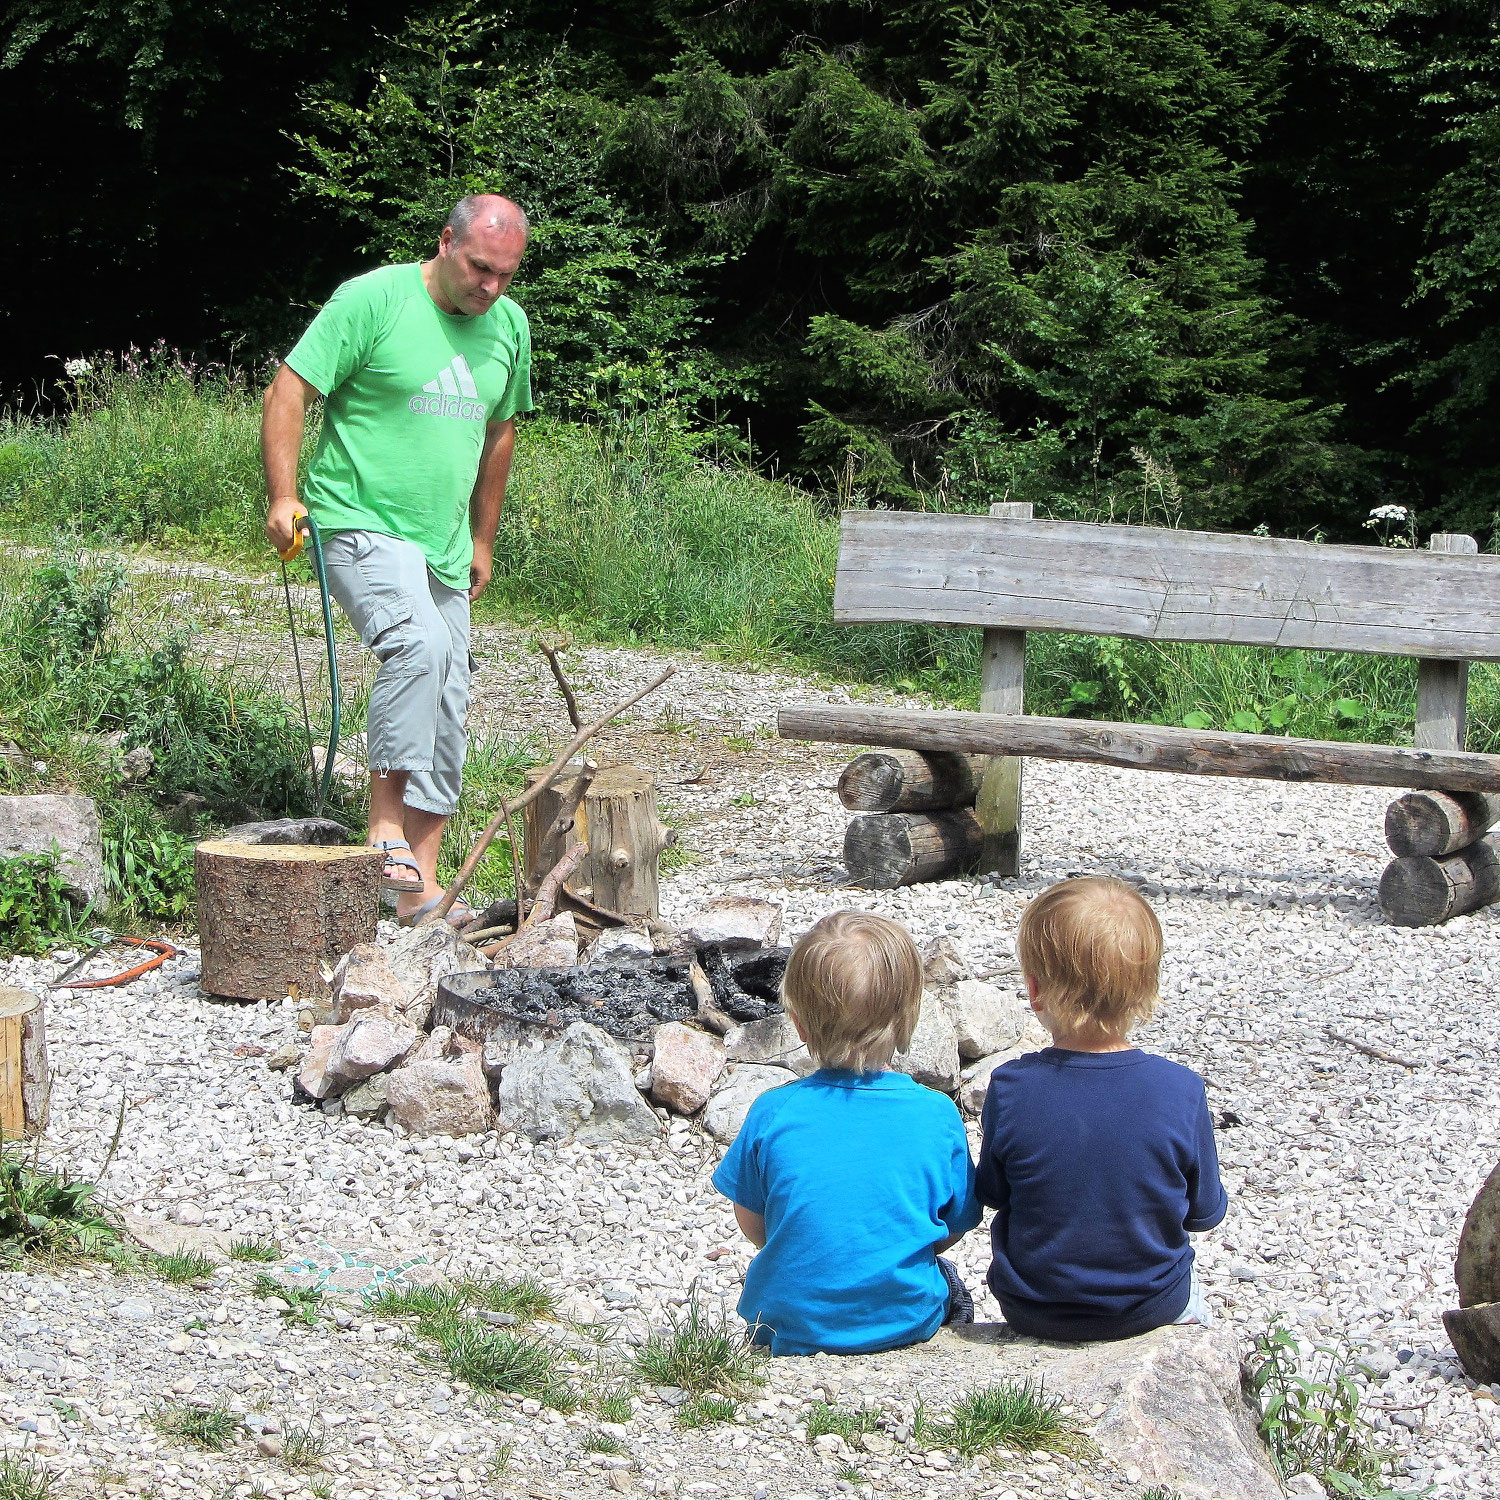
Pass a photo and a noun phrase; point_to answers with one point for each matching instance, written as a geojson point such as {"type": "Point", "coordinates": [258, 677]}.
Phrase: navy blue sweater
{"type": "Point", "coordinates": [1097, 1165]}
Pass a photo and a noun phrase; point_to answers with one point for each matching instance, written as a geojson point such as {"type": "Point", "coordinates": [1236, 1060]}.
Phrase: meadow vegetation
{"type": "Point", "coordinates": [628, 531]}
{"type": "Point", "coordinates": [631, 529]}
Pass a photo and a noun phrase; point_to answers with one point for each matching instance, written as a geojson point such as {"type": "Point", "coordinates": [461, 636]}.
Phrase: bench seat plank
{"type": "Point", "coordinates": [1199, 752]}
{"type": "Point", "coordinates": [1151, 583]}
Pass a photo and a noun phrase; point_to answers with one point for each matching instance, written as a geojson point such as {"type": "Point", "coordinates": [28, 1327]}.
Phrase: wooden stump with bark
{"type": "Point", "coordinates": [617, 821]}
{"type": "Point", "coordinates": [271, 916]}
{"type": "Point", "coordinates": [1474, 1326]}
{"type": "Point", "coordinates": [25, 1080]}
{"type": "Point", "coordinates": [886, 850]}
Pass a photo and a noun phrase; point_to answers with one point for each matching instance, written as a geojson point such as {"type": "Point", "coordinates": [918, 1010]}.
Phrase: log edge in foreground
{"type": "Point", "coordinates": [1147, 747]}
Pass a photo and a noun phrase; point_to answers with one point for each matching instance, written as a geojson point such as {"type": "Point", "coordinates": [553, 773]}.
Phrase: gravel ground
{"type": "Point", "coordinates": [1349, 1174]}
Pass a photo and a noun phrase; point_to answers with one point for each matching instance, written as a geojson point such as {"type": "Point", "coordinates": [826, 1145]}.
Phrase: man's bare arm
{"type": "Point", "coordinates": [487, 499]}
{"type": "Point", "coordinates": [283, 420]}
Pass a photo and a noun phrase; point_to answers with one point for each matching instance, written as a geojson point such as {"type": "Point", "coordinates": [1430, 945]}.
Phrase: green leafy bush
{"type": "Point", "coordinates": [1311, 1418]}
{"type": "Point", "coordinates": [44, 1212]}
{"type": "Point", "coordinates": [36, 911]}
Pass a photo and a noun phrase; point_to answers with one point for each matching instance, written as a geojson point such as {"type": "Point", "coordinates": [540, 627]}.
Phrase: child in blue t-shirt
{"type": "Point", "coordinates": [1097, 1158]}
{"type": "Point", "coordinates": [850, 1181]}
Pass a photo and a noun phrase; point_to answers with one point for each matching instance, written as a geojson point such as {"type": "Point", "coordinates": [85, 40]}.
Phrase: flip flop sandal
{"type": "Point", "coordinates": [460, 914]}
{"type": "Point", "coordinates": [390, 883]}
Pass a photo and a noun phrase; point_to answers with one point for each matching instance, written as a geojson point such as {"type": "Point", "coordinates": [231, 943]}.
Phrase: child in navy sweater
{"type": "Point", "coordinates": [1097, 1158]}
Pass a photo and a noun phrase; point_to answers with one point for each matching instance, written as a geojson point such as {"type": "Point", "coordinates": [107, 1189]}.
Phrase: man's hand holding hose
{"type": "Point", "coordinates": [282, 526]}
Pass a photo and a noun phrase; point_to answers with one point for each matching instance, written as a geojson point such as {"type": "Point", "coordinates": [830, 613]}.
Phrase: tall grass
{"type": "Point", "coordinates": [618, 533]}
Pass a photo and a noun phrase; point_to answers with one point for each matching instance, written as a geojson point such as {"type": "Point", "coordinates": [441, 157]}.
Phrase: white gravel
{"type": "Point", "coordinates": [1349, 1175]}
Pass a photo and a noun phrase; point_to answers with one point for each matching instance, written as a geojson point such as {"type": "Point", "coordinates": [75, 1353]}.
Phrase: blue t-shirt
{"type": "Point", "coordinates": [859, 1178]}
{"type": "Point", "coordinates": [1097, 1164]}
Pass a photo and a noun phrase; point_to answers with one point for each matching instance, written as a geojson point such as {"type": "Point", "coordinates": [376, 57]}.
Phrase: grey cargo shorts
{"type": "Point", "coordinates": [418, 629]}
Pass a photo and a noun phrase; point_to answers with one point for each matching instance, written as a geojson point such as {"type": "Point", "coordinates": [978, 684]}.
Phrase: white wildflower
{"type": "Point", "coordinates": [1389, 513]}
{"type": "Point", "coordinates": [76, 369]}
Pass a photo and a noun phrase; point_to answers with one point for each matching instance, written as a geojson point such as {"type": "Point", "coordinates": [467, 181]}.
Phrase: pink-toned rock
{"type": "Point", "coordinates": [552, 944]}
{"type": "Point", "coordinates": [363, 978]}
{"type": "Point", "coordinates": [313, 1075]}
{"type": "Point", "coordinates": [444, 1094]}
{"type": "Point", "coordinates": [684, 1067]}
{"type": "Point", "coordinates": [370, 1043]}
{"type": "Point", "coordinates": [441, 1042]}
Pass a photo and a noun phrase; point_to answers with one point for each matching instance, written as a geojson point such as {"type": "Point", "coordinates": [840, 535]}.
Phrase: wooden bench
{"type": "Point", "coordinates": [1010, 574]}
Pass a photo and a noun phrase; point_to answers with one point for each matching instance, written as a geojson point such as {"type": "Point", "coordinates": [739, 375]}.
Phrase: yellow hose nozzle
{"type": "Point", "coordinates": [298, 537]}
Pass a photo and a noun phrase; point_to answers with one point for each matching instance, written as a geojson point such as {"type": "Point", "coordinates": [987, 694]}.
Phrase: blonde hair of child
{"type": "Point", "coordinates": [854, 986]}
{"type": "Point", "coordinates": [1093, 946]}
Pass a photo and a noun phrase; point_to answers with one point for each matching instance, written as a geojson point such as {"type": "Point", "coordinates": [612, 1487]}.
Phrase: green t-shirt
{"type": "Point", "coordinates": [408, 390]}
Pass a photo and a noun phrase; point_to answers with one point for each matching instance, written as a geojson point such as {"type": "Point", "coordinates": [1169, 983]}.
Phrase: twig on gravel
{"type": "Point", "coordinates": [1369, 1051]}
{"type": "Point", "coordinates": [550, 653]}
{"type": "Point", "coordinates": [515, 869]}
{"type": "Point", "coordinates": [535, 790]}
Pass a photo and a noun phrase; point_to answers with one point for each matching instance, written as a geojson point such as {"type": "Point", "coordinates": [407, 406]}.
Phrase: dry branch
{"type": "Point", "coordinates": [568, 812]}
{"type": "Point", "coordinates": [547, 893]}
{"type": "Point", "coordinates": [562, 682]}
{"type": "Point", "coordinates": [1369, 1051]}
{"type": "Point", "coordinates": [493, 827]}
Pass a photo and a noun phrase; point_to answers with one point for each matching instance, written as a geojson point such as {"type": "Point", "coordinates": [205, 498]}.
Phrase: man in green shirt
{"type": "Point", "coordinates": [422, 369]}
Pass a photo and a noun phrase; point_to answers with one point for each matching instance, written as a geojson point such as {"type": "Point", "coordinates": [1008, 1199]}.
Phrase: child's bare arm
{"type": "Point", "coordinates": [752, 1226]}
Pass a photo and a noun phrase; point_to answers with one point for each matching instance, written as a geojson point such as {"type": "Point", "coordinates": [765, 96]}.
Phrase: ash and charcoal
{"type": "Point", "coordinates": [628, 1000]}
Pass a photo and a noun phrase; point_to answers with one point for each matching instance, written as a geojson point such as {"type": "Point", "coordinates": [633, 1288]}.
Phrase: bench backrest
{"type": "Point", "coordinates": [1157, 584]}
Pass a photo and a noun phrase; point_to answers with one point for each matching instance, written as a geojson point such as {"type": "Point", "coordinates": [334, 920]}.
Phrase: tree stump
{"type": "Point", "coordinates": [270, 916]}
{"type": "Point", "coordinates": [618, 822]}
{"type": "Point", "coordinates": [884, 850]}
{"type": "Point", "coordinates": [25, 1080]}
{"type": "Point", "coordinates": [1474, 1326]}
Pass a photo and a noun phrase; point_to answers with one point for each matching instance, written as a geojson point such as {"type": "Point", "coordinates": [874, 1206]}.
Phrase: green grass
{"type": "Point", "coordinates": [499, 1464]}
{"type": "Point", "coordinates": [595, 1441]}
{"type": "Point", "coordinates": [848, 1424]}
{"type": "Point", "coordinates": [523, 1296]}
{"type": "Point", "coordinates": [48, 1215]}
{"type": "Point", "coordinates": [181, 1267]}
{"type": "Point", "coordinates": [495, 1359]}
{"type": "Point", "coordinates": [23, 1477]}
{"type": "Point", "coordinates": [1010, 1414]}
{"type": "Point", "coordinates": [614, 534]}
{"type": "Point", "coordinates": [303, 1302]}
{"type": "Point", "coordinates": [612, 1403]}
{"type": "Point", "coordinates": [702, 1352]}
{"type": "Point", "coordinates": [261, 1248]}
{"type": "Point", "coordinates": [302, 1446]}
{"type": "Point", "coordinates": [212, 1428]}
{"type": "Point", "coordinates": [706, 1411]}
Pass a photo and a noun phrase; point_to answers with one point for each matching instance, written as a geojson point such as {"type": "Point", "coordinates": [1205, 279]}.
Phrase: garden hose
{"type": "Point", "coordinates": [302, 519]}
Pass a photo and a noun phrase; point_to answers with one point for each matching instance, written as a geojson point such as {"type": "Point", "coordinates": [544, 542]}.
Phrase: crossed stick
{"type": "Point", "coordinates": [523, 799]}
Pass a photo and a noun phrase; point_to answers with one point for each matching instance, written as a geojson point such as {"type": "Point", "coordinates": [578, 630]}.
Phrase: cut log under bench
{"type": "Point", "coordinates": [1193, 752]}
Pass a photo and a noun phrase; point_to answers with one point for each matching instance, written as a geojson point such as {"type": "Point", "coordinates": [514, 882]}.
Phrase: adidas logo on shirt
{"type": "Point", "coordinates": [452, 394]}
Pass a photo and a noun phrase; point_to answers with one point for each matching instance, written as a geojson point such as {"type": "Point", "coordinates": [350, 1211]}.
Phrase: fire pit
{"type": "Point", "coordinates": [629, 1000]}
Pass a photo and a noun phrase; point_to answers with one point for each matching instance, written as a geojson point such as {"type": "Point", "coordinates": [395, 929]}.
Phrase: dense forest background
{"type": "Point", "coordinates": [1233, 261]}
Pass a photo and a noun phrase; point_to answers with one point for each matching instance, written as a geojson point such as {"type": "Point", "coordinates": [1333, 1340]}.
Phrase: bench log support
{"type": "Point", "coordinates": [1148, 747]}
{"type": "Point", "coordinates": [1002, 690]}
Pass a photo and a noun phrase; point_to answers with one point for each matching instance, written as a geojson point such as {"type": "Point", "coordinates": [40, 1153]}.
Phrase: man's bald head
{"type": "Point", "coordinates": [479, 251]}
{"type": "Point", "coordinates": [487, 211]}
